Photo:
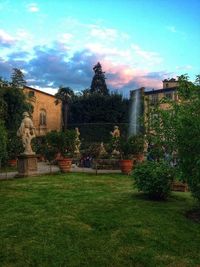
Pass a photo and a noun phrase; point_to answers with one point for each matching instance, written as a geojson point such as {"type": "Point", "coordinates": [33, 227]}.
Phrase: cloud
{"type": "Point", "coordinates": [51, 67]}
{"type": "Point", "coordinates": [6, 40]}
{"type": "Point", "coordinates": [103, 33]}
{"type": "Point", "coordinates": [151, 57]}
{"type": "Point", "coordinates": [171, 28]}
{"type": "Point", "coordinates": [70, 61]}
{"type": "Point", "coordinates": [32, 7]}
{"type": "Point", "coordinates": [185, 67]}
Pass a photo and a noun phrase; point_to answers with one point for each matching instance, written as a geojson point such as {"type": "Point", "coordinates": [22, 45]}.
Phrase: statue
{"type": "Point", "coordinates": [116, 132]}
{"type": "Point", "coordinates": [77, 141]}
{"type": "Point", "coordinates": [102, 150]}
{"type": "Point", "coordinates": [115, 136]}
{"type": "Point", "coordinates": [27, 132]}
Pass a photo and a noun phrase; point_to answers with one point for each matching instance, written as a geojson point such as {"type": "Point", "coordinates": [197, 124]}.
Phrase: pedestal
{"type": "Point", "coordinates": [27, 165]}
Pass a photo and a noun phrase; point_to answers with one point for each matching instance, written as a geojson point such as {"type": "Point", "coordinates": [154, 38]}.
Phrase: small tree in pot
{"type": "Point", "coordinates": [64, 144]}
{"type": "Point", "coordinates": [129, 148]}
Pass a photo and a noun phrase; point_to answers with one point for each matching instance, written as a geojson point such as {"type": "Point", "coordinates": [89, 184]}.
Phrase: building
{"type": "Point", "coordinates": [46, 114]}
{"type": "Point", "coordinates": [169, 90]}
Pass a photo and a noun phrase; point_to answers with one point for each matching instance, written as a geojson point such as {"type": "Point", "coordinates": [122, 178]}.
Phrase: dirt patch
{"type": "Point", "coordinates": [194, 215]}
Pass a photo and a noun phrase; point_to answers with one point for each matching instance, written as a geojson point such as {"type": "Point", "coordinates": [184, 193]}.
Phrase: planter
{"type": "Point", "coordinates": [179, 186]}
{"type": "Point", "coordinates": [65, 164]}
{"type": "Point", "coordinates": [126, 165]}
{"type": "Point", "coordinates": [12, 162]}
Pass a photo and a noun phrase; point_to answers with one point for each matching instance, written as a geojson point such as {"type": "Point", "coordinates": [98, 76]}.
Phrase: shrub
{"type": "Point", "coordinates": [62, 142]}
{"type": "Point", "coordinates": [154, 179]}
{"type": "Point", "coordinates": [3, 142]}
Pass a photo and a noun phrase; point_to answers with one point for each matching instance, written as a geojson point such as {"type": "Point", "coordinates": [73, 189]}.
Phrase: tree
{"type": "Point", "coordinates": [98, 84]}
{"type": "Point", "coordinates": [15, 106]}
{"type": "Point", "coordinates": [3, 142]}
{"type": "Point", "coordinates": [65, 95]}
{"type": "Point", "coordinates": [17, 77]}
{"type": "Point", "coordinates": [176, 132]}
{"type": "Point", "coordinates": [188, 132]}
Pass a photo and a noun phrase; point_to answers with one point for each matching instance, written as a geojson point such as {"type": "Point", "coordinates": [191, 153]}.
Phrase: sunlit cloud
{"type": "Point", "coordinates": [6, 39]}
{"type": "Point", "coordinates": [150, 56]}
{"type": "Point", "coordinates": [32, 7]}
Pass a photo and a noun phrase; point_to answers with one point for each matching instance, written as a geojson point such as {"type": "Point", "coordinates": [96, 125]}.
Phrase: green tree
{"type": "Point", "coordinates": [176, 132]}
{"type": "Point", "coordinates": [17, 77]}
{"type": "Point", "coordinates": [16, 104]}
{"type": "Point", "coordinates": [98, 84]}
{"type": "Point", "coordinates": [3, 142]}
{"type": "Point", "coordinates": [64, 95]}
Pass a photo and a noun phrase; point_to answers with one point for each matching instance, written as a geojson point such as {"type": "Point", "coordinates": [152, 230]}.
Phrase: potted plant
{"type": "Point", "coordinates": [129, 148]}
{"type": "Point", "coordinates": [63, 144]}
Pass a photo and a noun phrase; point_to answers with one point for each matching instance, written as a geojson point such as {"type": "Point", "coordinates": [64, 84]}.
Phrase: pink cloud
{"type": "Point", "coordinates": [6, 39]}
{"type": "Point", "coordinates": [124, 76]}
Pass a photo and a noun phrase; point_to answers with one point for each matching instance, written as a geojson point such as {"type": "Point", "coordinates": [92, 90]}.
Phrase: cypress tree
{"type": "Point", "coordinates": [98, 84]}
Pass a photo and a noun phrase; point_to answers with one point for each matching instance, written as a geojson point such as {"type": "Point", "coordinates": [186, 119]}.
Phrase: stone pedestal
{"type": "Point", "coordinates": [27, 165]}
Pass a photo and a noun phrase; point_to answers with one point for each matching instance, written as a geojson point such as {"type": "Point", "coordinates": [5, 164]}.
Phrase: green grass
{"type": "Point", "coordinates": [87, 220]}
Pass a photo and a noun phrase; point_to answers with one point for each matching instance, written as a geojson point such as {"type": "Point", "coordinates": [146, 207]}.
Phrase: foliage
{"type": "Point", "coordinates": [17, 77]}
{"type": "Point", "coordinates": [98, 84]}
{"type": "Point", "coordinates": [131, 146]}
{"type": "Point", "coordinates": [14, 101]}
{"type": "Point", "coordinates": [154, 179]}
{"type": "Point", "coordinates": [188, 133]}
{"type": "Point", "coordinates": [97, 108]}
{"type": "Point", "coordinates": [61, 142]}
{"type": "Point", "coordinates": [95, 115]}
{"type": "Point", "coordinates": [64, 95]}
{"type": "Point", "coordinates": [14, 145]}
{"type": "Point", "coordinates": [3, 142]}
{"type": "Point", "coordinates": [176, 130]}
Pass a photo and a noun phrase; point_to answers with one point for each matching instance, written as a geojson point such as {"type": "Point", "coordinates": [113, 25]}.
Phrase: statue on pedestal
{"type": "Point", "coordinates": [77, 141]}
{"type": "Point", "coordinates": [115, 136]}
{"type": "Point", "coordinates": [27, 132]}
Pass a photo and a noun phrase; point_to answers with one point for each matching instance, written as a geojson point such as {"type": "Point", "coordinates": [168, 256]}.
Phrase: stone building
{"type": "Point", "coordinates": [46, 115]}
{"type": "Point", "coordinates": [169, 91]}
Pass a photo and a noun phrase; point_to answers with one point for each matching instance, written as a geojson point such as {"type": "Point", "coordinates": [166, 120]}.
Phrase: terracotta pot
{"type": "Point", "coordinates": [65, 164]}
{"type": "Point", "coordinates": [126, 165]}
{"type": "Point", "coordinates": [12, 162]}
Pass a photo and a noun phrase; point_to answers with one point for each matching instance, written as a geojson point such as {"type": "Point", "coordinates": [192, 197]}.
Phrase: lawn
{"type": "Point", "coordinates": [88, 220]}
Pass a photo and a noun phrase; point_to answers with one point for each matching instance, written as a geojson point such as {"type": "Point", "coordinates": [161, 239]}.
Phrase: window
{"type": "Point", "coordinates": [169, 95]}
{"type": "Point", "coordinates": [43, 117]}
{"type": "Point", "coordinates": [154, 99]}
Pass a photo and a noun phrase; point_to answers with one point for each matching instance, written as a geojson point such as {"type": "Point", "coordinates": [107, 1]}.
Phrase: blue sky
{"type": "Point", "coordinates": [139, 43]}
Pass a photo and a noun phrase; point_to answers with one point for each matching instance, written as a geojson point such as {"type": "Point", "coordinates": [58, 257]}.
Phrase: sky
{"type": "Point", "coordinates": [138, 42]}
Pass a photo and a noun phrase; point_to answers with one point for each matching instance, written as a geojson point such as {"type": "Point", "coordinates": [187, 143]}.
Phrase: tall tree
{"type": "Point", "coordinates": [17, 77]}
{"type": "Point", "coordinates": [98, 84]}
{"type": "Point", "coordinates": [65, 95]}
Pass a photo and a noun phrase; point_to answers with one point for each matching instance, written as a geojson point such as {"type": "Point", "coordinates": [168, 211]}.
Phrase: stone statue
{"type": "Point", "coordinates": [77, 141]}
{"type": "Point", "coordinates": [115, 136]}
{"type": "Point", "coordinates": [102, 150]}
{"type": "Point", "coordinates": [27, 132]}
{"type": "Point", "coordinates": [116, 132]}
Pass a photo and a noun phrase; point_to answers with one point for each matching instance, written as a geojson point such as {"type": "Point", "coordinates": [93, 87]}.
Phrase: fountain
{"type": "Point", "coordinates": [136, 111]}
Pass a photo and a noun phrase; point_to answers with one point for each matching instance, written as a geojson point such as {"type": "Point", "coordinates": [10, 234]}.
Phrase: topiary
{"type": "Point", "coordinates": [154, 179]}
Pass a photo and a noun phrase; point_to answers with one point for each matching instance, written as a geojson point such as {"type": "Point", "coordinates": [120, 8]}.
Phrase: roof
{"type": "Point", "coordinates": [39, 91]}
{"type": "Point", "coordinates": [163, 90]}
